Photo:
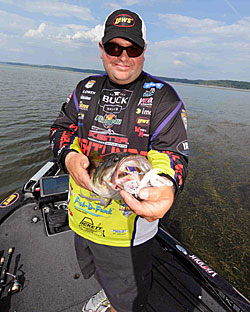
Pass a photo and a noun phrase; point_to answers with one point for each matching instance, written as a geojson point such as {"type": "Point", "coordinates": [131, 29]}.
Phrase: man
{"type": "Point", "coordinates": [124, 110]}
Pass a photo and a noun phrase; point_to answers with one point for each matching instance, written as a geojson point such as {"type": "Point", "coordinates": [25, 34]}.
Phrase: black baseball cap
{"type": "Point", "coordinates": [125, 24]}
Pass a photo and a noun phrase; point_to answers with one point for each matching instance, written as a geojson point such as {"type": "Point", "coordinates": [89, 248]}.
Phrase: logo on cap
{"type": "Point", "coordinates": [124, 20]}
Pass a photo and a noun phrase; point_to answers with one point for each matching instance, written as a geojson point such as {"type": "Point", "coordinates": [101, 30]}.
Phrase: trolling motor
{"type": "Point", "coordinates": [15, 285]}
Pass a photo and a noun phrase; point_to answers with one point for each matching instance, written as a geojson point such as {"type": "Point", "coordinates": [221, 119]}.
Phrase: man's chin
{"type": "Point", "coordinates": [121, 78]}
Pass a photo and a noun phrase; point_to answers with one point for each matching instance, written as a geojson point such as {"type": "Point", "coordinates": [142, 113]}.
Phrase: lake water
{"type": "Point", "coordinates": [211, 216]}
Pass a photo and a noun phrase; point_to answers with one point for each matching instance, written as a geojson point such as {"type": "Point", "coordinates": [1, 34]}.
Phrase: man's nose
{"type": "Point", "coordinates": [124, 55]}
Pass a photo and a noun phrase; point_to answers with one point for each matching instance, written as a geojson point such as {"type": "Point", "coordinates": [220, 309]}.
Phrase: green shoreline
{"type": "Point", "coordinates": [228, 84]}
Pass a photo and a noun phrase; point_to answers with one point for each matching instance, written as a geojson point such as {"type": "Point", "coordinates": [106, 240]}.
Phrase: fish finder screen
{"type": "Point", "coordinates": [54, 185]}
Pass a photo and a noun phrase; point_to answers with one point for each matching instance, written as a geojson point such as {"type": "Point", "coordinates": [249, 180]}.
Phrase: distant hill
{"type": "Point", "coordinates": [214, 83]}
{"type": "Point", "coordinates": [92, 71]}
{"type": "Point", "coordinates": [244, 85]}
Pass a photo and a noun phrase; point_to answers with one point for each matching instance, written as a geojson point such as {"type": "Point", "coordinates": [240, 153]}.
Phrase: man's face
{"type": "Point", "coordinates": [122, 69]}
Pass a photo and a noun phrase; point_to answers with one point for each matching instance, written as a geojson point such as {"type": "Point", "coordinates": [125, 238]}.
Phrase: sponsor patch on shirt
{"type": "Point", "coordinates": [113, 101]}
{"type": "Point", "coordinates": [148, 85]}
{"type": "Point", "coordinates": [80, 116]}
{"type": "Point", "coordinates": [108, 120]}
{"type": "Point", "coordinates": [88, 225]}
{"type": "Point", "coordinates": [119, 231]}
{"type": "Point", "coordinates": [143, 111]}
{"type": "Point", "coordinates": [141, 132]}
{"type": "Point", "coordinates": [143, 121]}
{"type": "Point", "coordinates": [83, 106]}
{"type": "Point", "coordinates": [145, 101]}
{"type": "Point", "coordinates": [88, 92]}
{"type": "Point", "coordinates": [149, 93]}
{"type": "Point", "coordinates": [85, 97]}
{"type": "Point", "coordinates": [90, 84]}
{"type": "Point", "coordinates": [125, 210]}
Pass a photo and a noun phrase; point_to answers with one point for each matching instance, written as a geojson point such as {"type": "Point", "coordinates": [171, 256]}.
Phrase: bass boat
{"type": "Point", "coordinates": [40, 272]}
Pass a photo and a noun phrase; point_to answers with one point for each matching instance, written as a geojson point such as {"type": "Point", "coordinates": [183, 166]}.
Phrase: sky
{"type": "Point", "coordinates": [193, 39]}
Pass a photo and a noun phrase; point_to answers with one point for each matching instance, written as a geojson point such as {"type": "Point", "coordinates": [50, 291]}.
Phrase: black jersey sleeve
{"type": "Point", "coordinates": [65, 128]}
{"type": "Point", "coordinates": [168, 137]}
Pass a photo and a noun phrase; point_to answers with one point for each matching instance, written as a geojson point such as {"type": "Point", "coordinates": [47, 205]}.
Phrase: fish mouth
{"type": "Point", "coordinates": [130, 169]}
{"type": "Point", "coordinates": [119, 171]}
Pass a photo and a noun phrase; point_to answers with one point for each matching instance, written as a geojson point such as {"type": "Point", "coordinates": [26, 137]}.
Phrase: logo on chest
{"type": "Point", "coordinates": [108, 120]}
{"type": "Point", "coordinates": [114, 101]}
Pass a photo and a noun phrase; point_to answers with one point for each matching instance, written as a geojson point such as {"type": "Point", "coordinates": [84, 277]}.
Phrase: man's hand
{"type": "Point", "coordinates": [77, 166]}
{"type": "Point", "coordinates": [156, 201]}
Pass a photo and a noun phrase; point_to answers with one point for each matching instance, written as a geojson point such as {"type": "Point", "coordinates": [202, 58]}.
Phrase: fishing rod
{"type": "Point", "coordinates": [4, 272]}
{"type": "Point", "coordinates": [1, 264]}
{"type": "Point", "coordinates": [1, 267]}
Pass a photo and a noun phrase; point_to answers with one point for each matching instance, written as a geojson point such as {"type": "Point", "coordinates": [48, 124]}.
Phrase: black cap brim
{"type": "Point", "coordinates": [124, 34]}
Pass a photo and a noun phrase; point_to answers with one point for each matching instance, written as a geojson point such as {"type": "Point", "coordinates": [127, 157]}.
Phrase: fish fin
{"type": "Point", "coordinates": [107, 202]}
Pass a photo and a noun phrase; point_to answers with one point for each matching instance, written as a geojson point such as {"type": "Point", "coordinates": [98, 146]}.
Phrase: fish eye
{"type": "Point", "coordinates": [131, 169]}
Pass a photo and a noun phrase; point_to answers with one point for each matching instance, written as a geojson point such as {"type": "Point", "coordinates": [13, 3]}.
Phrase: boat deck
{"type": "Point", "coordinates": [48, 269]}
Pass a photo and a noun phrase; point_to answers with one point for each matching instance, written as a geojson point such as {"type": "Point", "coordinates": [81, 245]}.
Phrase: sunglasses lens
{"type": "Point", "coordinates": [116, 50]}
{"type": "Point", "coordinates": [134, 51]}
{"type": "Point", "coordinates": [113, 49]}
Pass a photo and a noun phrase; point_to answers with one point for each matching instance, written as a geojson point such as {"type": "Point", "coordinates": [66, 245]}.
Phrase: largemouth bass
{"type": "Point", "coordinates": [122, 171]}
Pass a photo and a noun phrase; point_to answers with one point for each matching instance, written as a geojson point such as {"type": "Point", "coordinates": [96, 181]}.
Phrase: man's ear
{"type": "Point", "coordinates": [101, 49]}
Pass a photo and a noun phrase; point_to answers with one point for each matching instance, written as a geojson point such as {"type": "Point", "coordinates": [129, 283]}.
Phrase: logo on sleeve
{"type": "Point", "coordinates": [184, 118]}
{"type": "Point", "coordinates": [183, 148]}
{"type": "Point", "coordinates": [69, 97]}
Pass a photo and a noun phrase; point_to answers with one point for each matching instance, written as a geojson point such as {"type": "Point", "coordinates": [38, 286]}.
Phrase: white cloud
{"type": "Point", "coordinates": [112, 6]}
{"type": "Point", "coordinates": [74, 36]}
{"type": "Point", "coordinates": [36, 32]}
{"type": "Point", "coordinates": [127, 3]}
{"type": "Point", "coordinates": [18, 39]}
{"type": "Point", "coordinates": [14, 24]}
{"type": "Point", "coordinates": [186, 24]}
{"type": "Point", "coordinates": [201, 48]}
{"type": "Point", "coordinates": [204, 48]}
{"type": "Point", "coordinates": [53, 8]}
{"type": "Point", "coordinates": [122, 4]}
{"type": "Point", "coordinates": [3, 40]}
{"type": "Point", "coordinates": [7, 1]}
{"type": "Point", "coordinates": [178, 63]}
{"type": "Point", "coordinates": [93, 34]}
{"type": "Point", "coordinates": [60, 9]}
{"type": "Point", "coordinates": [181, 23]}
{"type": "Point", "coordinates": [132, 2]}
